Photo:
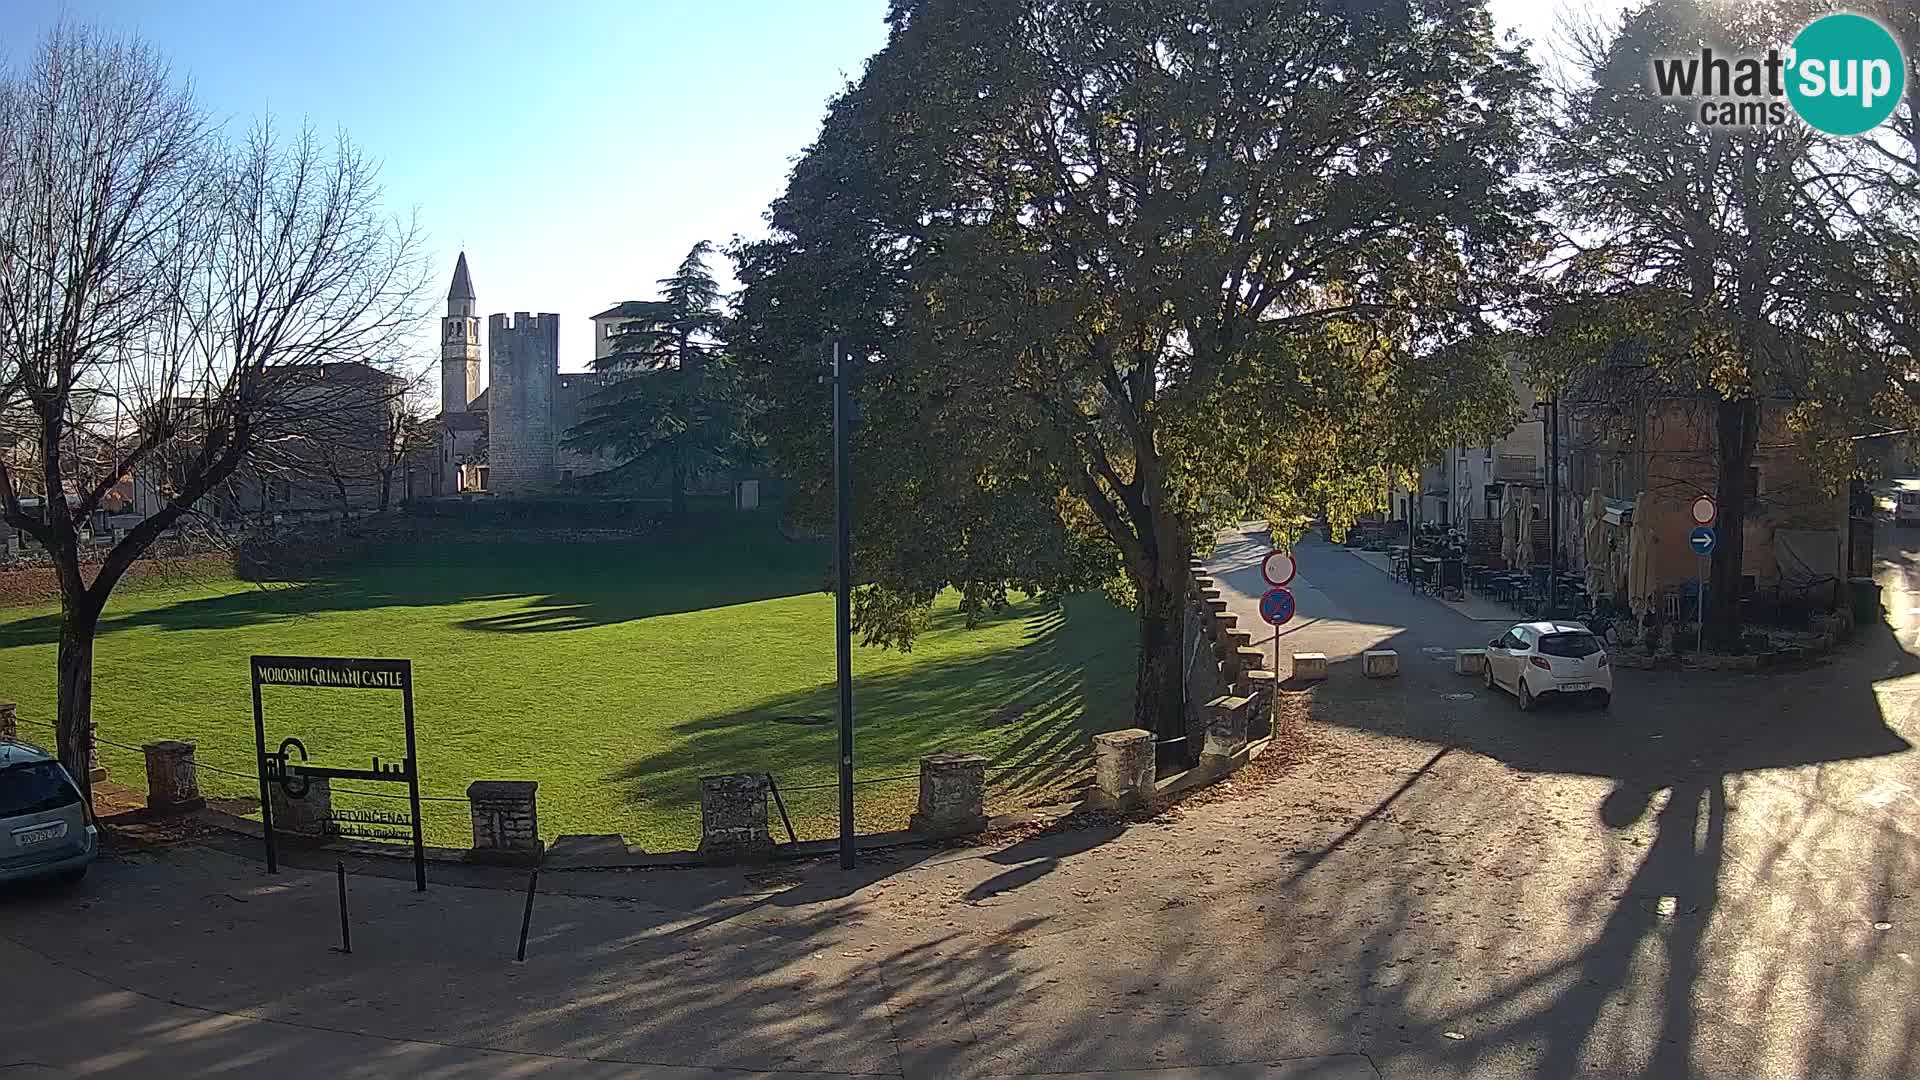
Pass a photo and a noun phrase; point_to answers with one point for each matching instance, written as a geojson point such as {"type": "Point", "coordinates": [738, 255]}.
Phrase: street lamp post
{"type": "Point", "coordinates": [843, 598]}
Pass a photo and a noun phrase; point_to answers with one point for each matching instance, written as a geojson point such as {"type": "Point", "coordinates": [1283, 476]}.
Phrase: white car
{"type": "Point", "coordinates": [1538, 658]}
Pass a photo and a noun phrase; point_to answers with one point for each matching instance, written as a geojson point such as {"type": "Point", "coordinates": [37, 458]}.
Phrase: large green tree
{"type": "Point", "coordinates": [1749, 267]}
{"type": "Point", "coordinates": [675, 406]}
{"type": "Point", "coordinates": [1111, 276]}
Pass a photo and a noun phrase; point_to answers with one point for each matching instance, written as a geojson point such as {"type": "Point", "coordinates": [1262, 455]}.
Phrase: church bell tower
{"type": "Point", "coordinates": [459, 344]}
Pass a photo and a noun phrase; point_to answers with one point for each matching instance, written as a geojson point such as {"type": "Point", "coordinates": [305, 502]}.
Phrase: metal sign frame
{"type": "Point", "coordinates": [295, 777]}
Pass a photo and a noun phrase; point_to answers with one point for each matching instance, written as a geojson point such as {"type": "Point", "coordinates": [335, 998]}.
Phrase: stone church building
{"type": "Point", "coordinates": [506, 439]}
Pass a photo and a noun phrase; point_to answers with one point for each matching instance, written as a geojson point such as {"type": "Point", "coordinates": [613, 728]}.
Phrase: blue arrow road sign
{"type": "Point", "coordinates": [1276, 606]}
{"type": "Point", "coordinates": [1701, 540]}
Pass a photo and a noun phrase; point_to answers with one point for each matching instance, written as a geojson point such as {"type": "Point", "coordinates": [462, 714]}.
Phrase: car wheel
{"type": "Point", "coordinates": [69, 877]}
{"type": "Point", "coordinates": [1603, 698]}
{"type": "Point", "coordinates": [1526, 698]}
{"type": "Point", "coordinates": [1486, 674]}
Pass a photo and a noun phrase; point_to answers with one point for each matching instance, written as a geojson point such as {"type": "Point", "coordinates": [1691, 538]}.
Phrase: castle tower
{"type": "Point", "coordinates": [525, 362]}
{"type": "Point", "coordinates": [459, 344]}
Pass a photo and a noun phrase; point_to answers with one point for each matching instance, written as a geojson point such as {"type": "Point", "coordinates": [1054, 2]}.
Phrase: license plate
{"type": "Point", "coordinates": [1573, 686]}
{"type": "Point", "coordinates": [40, 836]}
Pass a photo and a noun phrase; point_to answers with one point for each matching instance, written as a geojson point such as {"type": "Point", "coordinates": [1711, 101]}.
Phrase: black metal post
{"type": "Point", "coordinates": [843, 599]}
{"type": "Point", "coordinates": [346, 932]}
{"type": "Point", "coordinates": [260, 765]}
{"type": "Point", "coordinates": [792, 838]}
{"type": "Point", "coordinates": [1553, 507]}
{"type": "Point", "coordinates": [413, 785]}
{"type": "Point", "coordinates": [526, 917]}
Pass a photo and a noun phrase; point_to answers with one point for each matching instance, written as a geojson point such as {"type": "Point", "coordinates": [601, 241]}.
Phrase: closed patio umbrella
{"type": "Point", "coordinates": [1510, 532]}
{"type": "Point", "coordinates": [1640, 559]}
{"type": "Point", "coordinates": [1595, 543]}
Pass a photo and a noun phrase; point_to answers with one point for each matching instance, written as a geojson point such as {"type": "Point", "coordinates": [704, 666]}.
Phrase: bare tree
{"type": "Point", "coordinates": [167, 299]}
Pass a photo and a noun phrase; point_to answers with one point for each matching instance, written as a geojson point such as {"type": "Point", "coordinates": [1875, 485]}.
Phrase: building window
{"type": "Point", "coordinates": [282, 491]}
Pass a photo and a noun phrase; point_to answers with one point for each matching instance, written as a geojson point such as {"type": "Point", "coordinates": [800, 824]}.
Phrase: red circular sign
{"type": "Point", "coordinates": [1704, 511]}
{"type": "Point", "coordinates": [1278, 568]}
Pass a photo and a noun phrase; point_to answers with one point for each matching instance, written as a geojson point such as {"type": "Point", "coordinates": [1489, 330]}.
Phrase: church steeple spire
{"type": "Point", "coordinates": [459, 344]}
{"type": "Point", "coordinates": [460, 295]}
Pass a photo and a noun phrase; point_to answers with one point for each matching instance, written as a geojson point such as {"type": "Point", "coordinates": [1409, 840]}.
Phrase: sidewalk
{"type": "Point", "coordinates": [192, 962]}
{"type": "Point", "coordinates": [1477, 608]}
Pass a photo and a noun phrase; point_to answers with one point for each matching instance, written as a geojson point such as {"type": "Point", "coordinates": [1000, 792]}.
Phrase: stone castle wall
{"type": "Point", "coordinates": [523, 362]}
{"type": "Point", "coordinates": [570, 395]}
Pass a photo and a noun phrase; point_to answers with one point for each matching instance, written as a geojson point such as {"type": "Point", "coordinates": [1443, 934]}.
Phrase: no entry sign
{"type": "Point", "coordinates": [1704, 511]}
{"type": "Point", "coordinates": [1278, 568]}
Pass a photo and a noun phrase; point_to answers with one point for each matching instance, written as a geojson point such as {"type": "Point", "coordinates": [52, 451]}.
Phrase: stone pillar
{"type": "Point", "coordinates": [173, 782]}
{"type": "Point", "coordinates": [1123, 770]}
{"type": "Point", "coordinates": [733, 817]}
{"type": "Point", "coordinates": [96, 773]}
{"type": "Point", "coordinates": [9, 721]}
{"type": "Point", "coordinates": [1469, 661]}
{"type": "Point", "coordinates": [506, 819]}
{"type": "Point", "coordinates": [1258, 687]}
{"type": "Point", "coordinates": [953, 795]}
{"type": "Point", "coordinates": [1226, 732]}
{"type": "Point", "coordinates": [309, 815]}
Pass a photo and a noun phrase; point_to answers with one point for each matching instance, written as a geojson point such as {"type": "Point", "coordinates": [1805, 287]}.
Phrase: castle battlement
{"type": "Point", "coordinates": [521, 322]}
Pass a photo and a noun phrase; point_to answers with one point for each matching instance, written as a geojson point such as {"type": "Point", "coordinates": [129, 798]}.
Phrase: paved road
{"type": "Point", "coordinates": [1715, 879]}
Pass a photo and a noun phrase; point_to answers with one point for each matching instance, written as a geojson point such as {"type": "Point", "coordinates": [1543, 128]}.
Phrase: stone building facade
{"type": "Point", "coordinates": [506, 439]}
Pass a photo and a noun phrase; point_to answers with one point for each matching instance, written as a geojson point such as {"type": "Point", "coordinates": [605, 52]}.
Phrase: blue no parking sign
{"type": "Point", "coordinates": [1276, 606]}
{"type": "Point", "coordinates": [1701, 540]}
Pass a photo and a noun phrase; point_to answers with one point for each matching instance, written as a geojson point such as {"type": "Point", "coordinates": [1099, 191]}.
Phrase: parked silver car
{"type": "Point", "coordinates": [45, 829]}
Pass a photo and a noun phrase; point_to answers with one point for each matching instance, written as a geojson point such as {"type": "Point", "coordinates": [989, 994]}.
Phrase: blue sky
{"type": "Point", "coordinates": [575, 149]}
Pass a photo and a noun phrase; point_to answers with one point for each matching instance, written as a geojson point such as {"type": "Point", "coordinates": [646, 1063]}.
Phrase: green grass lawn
{"type": "Point", "coordinates": [615, 674]}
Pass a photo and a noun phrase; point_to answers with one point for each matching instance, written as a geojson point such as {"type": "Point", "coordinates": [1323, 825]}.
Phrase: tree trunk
{"type": "Point", "coordinates": [1160, 681]}
{"type": "Point", "coordinates": [679, 485]}
{"type": "Point", "coordinates": [1736, 434]}
{"type": "Point", "coordinates": [75, 672]}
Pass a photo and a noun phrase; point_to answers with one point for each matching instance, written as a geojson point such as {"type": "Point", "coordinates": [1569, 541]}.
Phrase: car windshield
{"type": "Point", "coordinates": [1575, 645]}
{"type": "Point", "coordinates": [33, 787]}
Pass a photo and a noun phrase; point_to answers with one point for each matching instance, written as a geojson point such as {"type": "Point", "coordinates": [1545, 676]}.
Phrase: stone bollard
{"type": "Point", "coordinates": [96, 773]}
{"type": "Point", "coordinates": [733, 818]}
{"type": "Point", "coordinates": [1216, 605]}
{"type": "Point", "coordinates": [1309, 666]}
{"type": "Point", "coordinates": [9, 721]}
{"type": "Point", "coordinates": [1469, 661]}
{"type": "Point", "coordinates": [173, 781]}
{"type": "Point", "coordinates": [506, 820]}
{"type": "Point", "coordinates": [1206, 585]}
{"type": "Point", "coordinates": [1123, 770]}
{"type": "Point", "coordinates": [309, 815]}
{"type": "Point", "coordinates": [1380, 663]}
{"type": "Point", "coordinates": [1226, 733]}
{"type": "Point", "coordinates": [953, 795]}
{"type": "Point", "coordinates": [1258, 687]}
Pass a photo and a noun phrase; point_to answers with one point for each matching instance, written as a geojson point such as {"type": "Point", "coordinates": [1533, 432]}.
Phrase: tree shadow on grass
{"type": "Point", "coordinates": [565, 587]}
{"type": "Point", "coordinates": [1030, 710]}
